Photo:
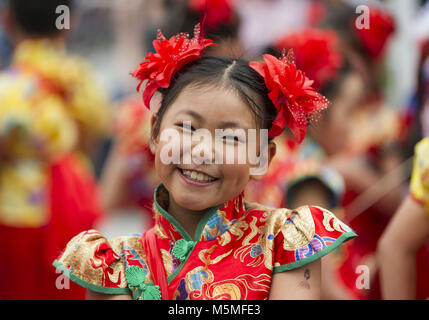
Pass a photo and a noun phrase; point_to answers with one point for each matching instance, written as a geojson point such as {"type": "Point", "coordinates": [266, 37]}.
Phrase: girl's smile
{"type": "Point", "coordinates": [197, 178]}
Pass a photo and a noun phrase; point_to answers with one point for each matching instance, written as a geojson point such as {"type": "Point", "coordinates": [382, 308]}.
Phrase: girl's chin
{"type": "Point", "coordinates": [193, 203]}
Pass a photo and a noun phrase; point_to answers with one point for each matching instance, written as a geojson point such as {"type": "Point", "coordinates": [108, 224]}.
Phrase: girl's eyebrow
{"type": "Point", "coordinates": [223, 125]}
{"type": "Point", "coordinates": [192, 113]}
{"type": "Point", "coordinates": [232, 124]}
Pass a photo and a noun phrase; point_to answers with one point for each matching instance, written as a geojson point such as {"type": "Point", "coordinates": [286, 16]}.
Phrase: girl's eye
{"type": "Point", "coordinates": [231, 139]}
{"type": "Point", "coordinates": [186, 126]}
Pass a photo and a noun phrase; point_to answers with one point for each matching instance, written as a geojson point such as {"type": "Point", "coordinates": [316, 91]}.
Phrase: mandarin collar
{"type": "Point", "coordinates": [214, 222]}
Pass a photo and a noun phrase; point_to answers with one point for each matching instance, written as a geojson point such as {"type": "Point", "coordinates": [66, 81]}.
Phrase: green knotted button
{"type": "Point", "coordinates": [135, 277]}
{"type": "Point", "coordinates": [181, 248]}
{"type": "Point", "coordinates": [150, 292]}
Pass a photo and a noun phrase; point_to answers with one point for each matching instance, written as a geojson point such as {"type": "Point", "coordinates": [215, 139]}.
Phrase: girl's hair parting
{"type": "Point", "coordinates": [221, 72]}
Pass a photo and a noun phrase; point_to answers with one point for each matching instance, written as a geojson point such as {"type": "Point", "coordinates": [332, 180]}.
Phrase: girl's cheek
{"type": "Point", "coordinates": [237, 172]}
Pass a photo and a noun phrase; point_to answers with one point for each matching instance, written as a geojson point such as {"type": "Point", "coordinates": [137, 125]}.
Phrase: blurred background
{"type": "Point", "coordinates": [374, 79]}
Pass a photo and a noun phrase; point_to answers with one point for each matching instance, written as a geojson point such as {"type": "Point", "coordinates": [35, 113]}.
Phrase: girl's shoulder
{"type": "Point", "coordinates": [98, 264]}
{"type": "Point", "coordinates": [298, 236]}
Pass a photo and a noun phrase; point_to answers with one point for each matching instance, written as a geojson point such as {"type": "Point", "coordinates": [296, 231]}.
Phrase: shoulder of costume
{"type": "Point", "coordinates": [306, 234]}
{"type": "Point", "coordinates": [98, 264]}
{"type": "Point", "coordinates": [299, 236]}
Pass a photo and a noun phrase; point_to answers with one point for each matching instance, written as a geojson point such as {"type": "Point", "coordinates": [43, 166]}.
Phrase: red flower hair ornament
{"type": "Point", "coordinates": [317, 53]}
{"type": "Point", "coordinates": [169, 57]}
{"type": "Point", "coordinates": [291, 93]}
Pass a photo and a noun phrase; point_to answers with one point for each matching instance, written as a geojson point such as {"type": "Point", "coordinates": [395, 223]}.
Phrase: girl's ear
{"type": "Point", "coordinates": [272, 148]}
{"type": "Point", "coordinates": [155, 102]}
{"type": "Point", "coordinates": [152, 142]}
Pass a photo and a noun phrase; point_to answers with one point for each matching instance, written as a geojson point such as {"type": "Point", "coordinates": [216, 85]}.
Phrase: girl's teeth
{"type": "Point", "coordinates": [197, 176]}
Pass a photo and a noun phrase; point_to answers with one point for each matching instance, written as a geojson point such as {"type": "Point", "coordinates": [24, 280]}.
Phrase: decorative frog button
{"type": "Point", "coordinates": [135, 277]}
{"type": "Point", "coordinates": [181, 248]}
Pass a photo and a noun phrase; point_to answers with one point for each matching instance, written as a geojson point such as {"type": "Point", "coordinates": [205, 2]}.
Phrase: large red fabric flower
{"type": "Point", "coordinates": [169, 57]}
{"type": "Point", "coordinates": [317, 53]}
{"type": "Point", "coordinates": [381, 27]}
{"type": "Point", "coordinates": [291, 92]}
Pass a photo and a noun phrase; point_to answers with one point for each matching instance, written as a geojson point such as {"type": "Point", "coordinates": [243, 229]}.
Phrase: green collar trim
{"type": "Point", "coordinates": [177, 225]}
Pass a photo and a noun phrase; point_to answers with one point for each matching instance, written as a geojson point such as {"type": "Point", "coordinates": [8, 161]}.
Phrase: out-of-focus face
{"type": "Point", "coordinates": [193, 186]}
{"type": "Point", "coordinates": [334, 131]}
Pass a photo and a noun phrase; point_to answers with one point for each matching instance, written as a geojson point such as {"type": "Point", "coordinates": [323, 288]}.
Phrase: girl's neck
{"type": "Point", "coordinates": [188, 219]}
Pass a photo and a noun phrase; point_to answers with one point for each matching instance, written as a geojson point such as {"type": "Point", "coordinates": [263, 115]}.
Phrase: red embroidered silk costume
{"type": "Point", "coordinates": [235, 251]}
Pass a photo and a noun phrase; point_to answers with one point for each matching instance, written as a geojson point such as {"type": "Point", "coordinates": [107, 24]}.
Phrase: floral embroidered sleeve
{"type": "Point", "coordinates": [92, 262]}
{"type": "Point", "coordinates": [419, 186]}
{"type": "Point", "coordinates": [306, 234]}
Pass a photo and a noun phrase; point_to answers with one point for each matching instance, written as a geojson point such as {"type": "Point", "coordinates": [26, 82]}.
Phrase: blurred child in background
{"type": "Point", "coordinates": [372, 149]}
{"type": "Point", "coordinates": [404, 255]}
{"type": "Point", "coordinates": [52, 115]}
{"type": "Point", "coordinates": [301, 174]}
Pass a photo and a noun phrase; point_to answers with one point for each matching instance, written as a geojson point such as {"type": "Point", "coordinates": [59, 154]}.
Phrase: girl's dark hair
{"type": "Point", "coordinates": [340, 17]}
{"type": "Point", "coordinates": [221, 72]}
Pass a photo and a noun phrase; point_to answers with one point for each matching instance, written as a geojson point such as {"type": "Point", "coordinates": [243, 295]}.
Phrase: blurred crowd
{"type": "Point", "coordinates": [74, 134]}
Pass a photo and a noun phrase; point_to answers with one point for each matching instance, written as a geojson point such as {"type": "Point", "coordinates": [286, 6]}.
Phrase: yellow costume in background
{"type": "Point", "coordinates": [48, 105]}
{"type": "Point", "coordinates": [419, 186]}
{"type": "Point", "coordinates": [50, 109]}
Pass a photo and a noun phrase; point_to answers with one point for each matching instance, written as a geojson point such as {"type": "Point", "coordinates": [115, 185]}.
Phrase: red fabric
{"type": "Point", "coordinates": [369, 225]}
{"type": "Point", "coordinates": [104, 256]}
{"type": "Point", "coordinates": [155, 262]}
{"type": "Point", "coordinates": [23, 275]}
{"type": "Point", "coordinates": [73, 202]}
{"type": "Point", "coordinates": [422, 275]}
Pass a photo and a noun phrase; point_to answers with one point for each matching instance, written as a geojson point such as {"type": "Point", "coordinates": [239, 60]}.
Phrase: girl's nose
{"type": "Point", "coordinates": [203, 151]}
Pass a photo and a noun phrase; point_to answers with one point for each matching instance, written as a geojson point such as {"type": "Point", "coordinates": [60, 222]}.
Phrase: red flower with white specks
{"type": "Point", "coordinates": [291, 92]}
{"type": "Point", "coordinates": [169, 57]}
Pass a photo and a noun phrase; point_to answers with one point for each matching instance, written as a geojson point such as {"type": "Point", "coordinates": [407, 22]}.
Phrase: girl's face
{"type": "Point", "coordinates": [197, 187]}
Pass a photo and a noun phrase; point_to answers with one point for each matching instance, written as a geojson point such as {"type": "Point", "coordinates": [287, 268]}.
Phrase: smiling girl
{"type": "Point", "coordinates": [208, 242]}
